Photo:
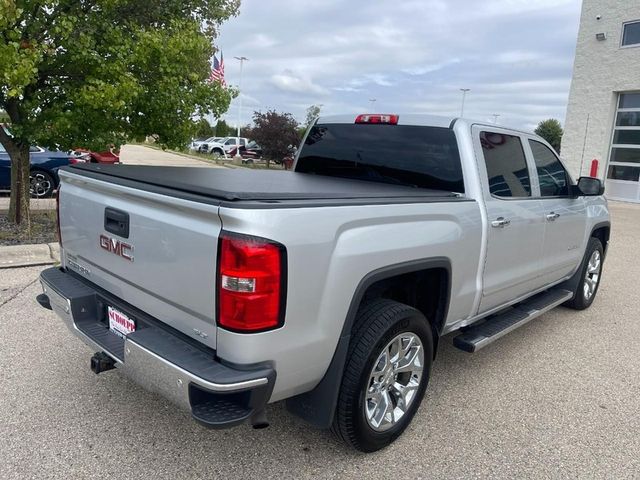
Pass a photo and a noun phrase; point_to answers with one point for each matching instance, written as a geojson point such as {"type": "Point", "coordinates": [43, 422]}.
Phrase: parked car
{"type": "Point", "coordinates": [196, 144]}
{"type": "Point", "coordinates": [81, 155]}
{"type": "Point", "coordinates": [231, 143]}
{"type": "Point", "coordinates": [331, 286]}
{"type": "Point", "coordinates": [214, 146]}
{"type": "Point", "coordinates": [252, 151]}
{"type": "Point", "coordinates": [44, 170]}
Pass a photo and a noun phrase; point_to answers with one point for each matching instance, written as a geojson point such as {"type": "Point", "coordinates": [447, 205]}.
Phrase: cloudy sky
{"type": "Point", "coordinates": [413, 56]}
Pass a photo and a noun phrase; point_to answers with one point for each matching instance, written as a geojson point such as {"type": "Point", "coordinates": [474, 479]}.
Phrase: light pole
{"type": "Point", "coordinates": [495, 117]}
{"type": "Point", "coordinates": [242, 60]}
{"type": "Point", "coordinates": [372, 101]}
{"type": "Point", "coordinates": [464, 95]}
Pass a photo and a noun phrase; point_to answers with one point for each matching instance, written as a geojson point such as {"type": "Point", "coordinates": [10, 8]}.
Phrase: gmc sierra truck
{"type": "Point", "coordinates": [330, 286]}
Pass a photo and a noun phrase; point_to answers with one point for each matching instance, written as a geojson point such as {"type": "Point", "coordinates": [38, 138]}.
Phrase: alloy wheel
{"type": "Point", "coordinates": [394, 381]}
{"type": "Point", "coordinates": [592, 275]}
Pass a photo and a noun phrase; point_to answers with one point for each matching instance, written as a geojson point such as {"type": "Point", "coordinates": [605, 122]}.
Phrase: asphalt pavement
{"type": "Point", "coordinates": [558, 398]}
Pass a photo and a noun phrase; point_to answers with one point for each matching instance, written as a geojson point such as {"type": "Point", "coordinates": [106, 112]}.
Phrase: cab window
{"type": "Point", "coordinates": [506, 165]}
{"type": "Point", "coordinates": [553, 178]}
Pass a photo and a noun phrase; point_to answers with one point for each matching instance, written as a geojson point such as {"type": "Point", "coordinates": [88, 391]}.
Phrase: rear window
{"type": "Point", "coordinates": [420, 157]}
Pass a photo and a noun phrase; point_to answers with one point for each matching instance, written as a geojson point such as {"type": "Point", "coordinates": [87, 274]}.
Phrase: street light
{"type": "Point", "coordinates": [242, 60]}
{"type": "Point", "coordinates": [495, 117]}
{"type": "Point", "coordinates": [372, 101]}
{"type": "Point", "coordinates": [464, 95]}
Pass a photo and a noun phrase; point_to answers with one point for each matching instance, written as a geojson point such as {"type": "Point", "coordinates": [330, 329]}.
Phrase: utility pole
{"type": "Point", "coordinates": [495, 117]}
{"type": "Point", "coordinates": [464, 95]}
{"type": "Point", "coordinates": [242, 60]}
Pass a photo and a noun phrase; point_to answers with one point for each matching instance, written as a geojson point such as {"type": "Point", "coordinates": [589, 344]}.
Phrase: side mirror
{"type": "Point", "coordinates": [589, 187]}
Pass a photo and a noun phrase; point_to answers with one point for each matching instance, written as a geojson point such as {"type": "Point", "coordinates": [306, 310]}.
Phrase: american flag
{"type": "Point", "coordinates": [217, 73]}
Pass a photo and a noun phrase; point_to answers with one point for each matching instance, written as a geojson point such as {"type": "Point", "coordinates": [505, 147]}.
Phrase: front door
{"type": "Point", "coordinates": [513, 265]}
{"type": "Point", "coordinates": [565, 217]}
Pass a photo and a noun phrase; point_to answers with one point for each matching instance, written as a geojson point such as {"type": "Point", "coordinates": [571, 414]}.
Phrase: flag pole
{"type": "Point", "coordinates": [242, 60]}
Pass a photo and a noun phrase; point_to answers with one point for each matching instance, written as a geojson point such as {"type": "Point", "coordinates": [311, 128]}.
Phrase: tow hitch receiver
{"type": "Point", "coordinates": [101, 362]}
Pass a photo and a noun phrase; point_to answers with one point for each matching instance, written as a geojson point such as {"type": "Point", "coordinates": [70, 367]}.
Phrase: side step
{"type": "Point", "coordinates": [494, 327]}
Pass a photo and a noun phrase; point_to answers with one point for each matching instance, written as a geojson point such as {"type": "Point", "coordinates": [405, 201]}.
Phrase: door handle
{"type": "Point", "coordinates": [552, 216]}
{"type": "Point", "coordinates": [500, 222]}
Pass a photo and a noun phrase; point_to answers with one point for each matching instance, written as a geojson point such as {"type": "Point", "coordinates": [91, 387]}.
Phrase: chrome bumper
{"type": "Point", "coordinates": [147, 367]}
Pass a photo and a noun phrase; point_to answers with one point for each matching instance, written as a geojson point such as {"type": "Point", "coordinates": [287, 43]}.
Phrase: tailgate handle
{"type": "Point", "coordinates": [116, 222]}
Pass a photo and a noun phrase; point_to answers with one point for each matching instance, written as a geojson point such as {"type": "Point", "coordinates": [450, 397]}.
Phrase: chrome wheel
{"type": "Point", "coordinates": [592, 276]}
{"type": "Point", "coordinates": [40, 184]}
{"type": "Point", "coordinates": [394, 381]}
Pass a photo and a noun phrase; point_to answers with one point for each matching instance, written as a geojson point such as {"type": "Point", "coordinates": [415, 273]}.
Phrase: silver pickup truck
{"type": "Point", "coordinates": [330, 286]}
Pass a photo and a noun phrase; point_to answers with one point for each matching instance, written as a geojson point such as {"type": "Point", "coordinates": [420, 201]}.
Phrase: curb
{"type": "Point", "coordinates": [15, 256]}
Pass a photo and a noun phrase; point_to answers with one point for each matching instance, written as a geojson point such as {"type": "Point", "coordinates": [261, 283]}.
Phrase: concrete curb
{"type": "Point", "coordinates": [14, 256]}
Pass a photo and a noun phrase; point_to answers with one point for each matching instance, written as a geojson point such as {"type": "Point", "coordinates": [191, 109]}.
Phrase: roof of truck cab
{"type": "Point", "coordinates": [424, 120]}
{"type": "Point", "coordinates": [417, 119]}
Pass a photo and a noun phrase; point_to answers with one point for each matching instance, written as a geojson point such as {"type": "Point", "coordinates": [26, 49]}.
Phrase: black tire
{"type": "Point", "coordinates": [581, 299]}
{"type": "Point", "coordinates": [217, 152]}
{"type": "Point", "coordinates": [41, 184]}
{"type": "Point", "coordinates": [377, 323]}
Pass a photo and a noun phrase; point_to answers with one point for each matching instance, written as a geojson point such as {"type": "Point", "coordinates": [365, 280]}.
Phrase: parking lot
{"type": "Point", "coordinates": [558, 398]}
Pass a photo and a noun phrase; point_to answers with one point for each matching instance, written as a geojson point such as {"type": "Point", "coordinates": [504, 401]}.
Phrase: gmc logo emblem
{"type": "Point", "coordinates": [117, 247]}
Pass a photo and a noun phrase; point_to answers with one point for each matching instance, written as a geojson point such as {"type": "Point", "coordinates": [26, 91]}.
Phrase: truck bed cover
{"type": "Point", "coordinates": [257, 188]}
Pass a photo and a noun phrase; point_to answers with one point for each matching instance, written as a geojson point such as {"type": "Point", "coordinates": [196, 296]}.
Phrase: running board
{"type": "Point", "coordinates": [494, 327]}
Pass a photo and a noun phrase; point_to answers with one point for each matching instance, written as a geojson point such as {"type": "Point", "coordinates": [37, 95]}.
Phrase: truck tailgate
{"type": "Point", "coordinates": [165, 265]}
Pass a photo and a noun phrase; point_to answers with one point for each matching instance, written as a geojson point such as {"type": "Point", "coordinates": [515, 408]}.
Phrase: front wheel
{"type": "Point", "coordinates": [41, 184]}
{"type": "Point", "coordinates": [590, 275]}
{"type": "Point", "coordinates": [386, 374]}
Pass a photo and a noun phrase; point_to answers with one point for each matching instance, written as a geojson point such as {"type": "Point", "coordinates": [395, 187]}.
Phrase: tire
{"type": "Point", "coordinates": [590, 276]}
{"type": "Point", "coordinates": [216, 152]}
{"type": "Point", "coordinates": [367, 387]}
{"type": "Point", "coordinates": [41, 184]}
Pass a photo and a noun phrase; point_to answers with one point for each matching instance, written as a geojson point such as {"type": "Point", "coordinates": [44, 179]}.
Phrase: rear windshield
{"type": "Point", "coordinates": [420, 157]}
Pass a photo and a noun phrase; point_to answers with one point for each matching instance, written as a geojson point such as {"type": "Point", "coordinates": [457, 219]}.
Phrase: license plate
{"type": "Point", "coordinates": [119, 323]}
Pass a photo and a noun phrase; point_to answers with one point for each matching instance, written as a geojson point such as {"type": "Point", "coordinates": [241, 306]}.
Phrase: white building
{"type": "Point", "coordinates": [603, 115]}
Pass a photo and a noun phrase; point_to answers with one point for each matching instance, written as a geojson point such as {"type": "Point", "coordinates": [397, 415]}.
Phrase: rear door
{"type": "Point", "coordinates": [515, 236]}
{"type": "Point", "coordinates": [564, 217]}
{"type": "Point", "coordinates": [156, 252]}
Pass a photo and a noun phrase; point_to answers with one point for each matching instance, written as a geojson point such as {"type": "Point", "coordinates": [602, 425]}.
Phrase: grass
{"type": "Point", "coordinates": [42, 228]}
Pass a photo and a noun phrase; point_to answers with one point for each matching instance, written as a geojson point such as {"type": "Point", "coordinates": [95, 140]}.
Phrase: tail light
{"type": "Point", "coordinates": [251, 283]}
{"type": "Point", "coordinates": [378, 118]}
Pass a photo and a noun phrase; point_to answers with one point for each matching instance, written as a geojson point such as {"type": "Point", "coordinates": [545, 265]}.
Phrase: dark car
{"type": "Point", "coordinates": [44, 170]}
{"type": "Point", "coordinates": [251, 152]}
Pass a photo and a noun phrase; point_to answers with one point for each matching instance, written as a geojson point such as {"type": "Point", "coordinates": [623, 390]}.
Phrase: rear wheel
{"type": "Point", "coordinates": [385, 376]}
{"type": "Point", "coordinates": [591, 273]}
{"type": "Point", "coordinates": [41, 184]}
{"type": "Point", "coordinates": [216, 152]}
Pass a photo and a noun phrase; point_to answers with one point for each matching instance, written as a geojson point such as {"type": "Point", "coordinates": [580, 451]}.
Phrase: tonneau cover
{"type": "Point", "coordinates": [253, 185]}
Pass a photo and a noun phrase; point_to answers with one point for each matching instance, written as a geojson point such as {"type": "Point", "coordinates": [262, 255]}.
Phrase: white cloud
{"type": "Point", "coordinates": [516, 56]}
{"type": "Point", "coordinates": [289, 81]}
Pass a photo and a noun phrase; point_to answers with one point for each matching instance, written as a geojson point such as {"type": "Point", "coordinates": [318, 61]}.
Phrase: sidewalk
{"type": "Point", "coordinates": [14, 256]}
{"type": "Point", "coordinates": [36, 203]}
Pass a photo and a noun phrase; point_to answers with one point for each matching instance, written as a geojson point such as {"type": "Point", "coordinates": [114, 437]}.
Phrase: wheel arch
{"type": "Point", "coordinates": [318, 405]}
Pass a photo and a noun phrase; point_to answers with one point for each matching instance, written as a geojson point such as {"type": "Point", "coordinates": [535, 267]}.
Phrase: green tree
{"type": "Point", "coordinates": [275, 133]}
{"type": "Point", "coordinates": [551, 131]}
{"type": "Point", "coordinates": [313, 112]}
{"type": "Point", "coordinates": [223, 129]}
{"type": "Point", "coordinates": [95, 72]}
{"type": "Point", "coordinates": [204, 129]}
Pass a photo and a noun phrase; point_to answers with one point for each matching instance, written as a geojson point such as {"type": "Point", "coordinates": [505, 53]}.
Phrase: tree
{"type": "Point", "coordinates": [223, 130]}
{"type": "Point", "coordinates": [275, 133]}
{"type": "Point", "coordinates": [204, 129]}
{"type": "Point", "coordinates": [91, 73]}
{"type": "Point", "coordinates": [551, 131]}
{"type": "Point", "coordinates": [313, 112]}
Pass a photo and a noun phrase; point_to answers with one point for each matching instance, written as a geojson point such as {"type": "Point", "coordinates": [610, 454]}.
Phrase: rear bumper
{"type": "Point", "coordinates": [158, 358]}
